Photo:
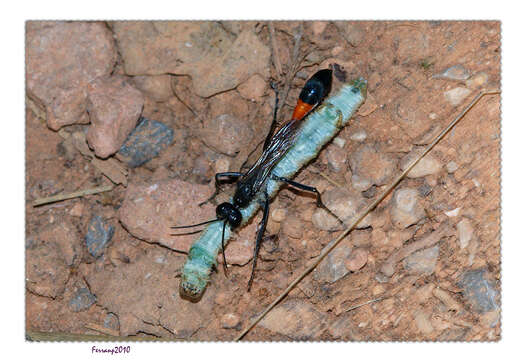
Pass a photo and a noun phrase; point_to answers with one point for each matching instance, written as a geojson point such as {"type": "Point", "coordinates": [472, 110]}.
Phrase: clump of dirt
{"type": "Point", "coordinates": [418, 267]}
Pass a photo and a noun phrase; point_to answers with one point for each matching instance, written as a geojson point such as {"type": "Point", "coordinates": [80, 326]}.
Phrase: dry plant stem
{"type": "Point", "coordinates": [364, 303]}
{"type": "Point", "coordinates": [275, 50]}
{"type": "Point", "coordinates": [102, 329]}
{"type": "Point", "coordinates": [431, 239]}
{"type": "Point", "coordinates": [328, 178]}
{"type": "Point", "coordinates": [293, 69]}
{"type": "Point", "coordinates": [368, 209]}
{"type": "Point", "coordinates": [80, 193]}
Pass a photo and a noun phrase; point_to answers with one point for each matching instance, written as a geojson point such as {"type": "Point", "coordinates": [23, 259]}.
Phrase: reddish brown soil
{"type": "Point", "coordinates": [406, 106]}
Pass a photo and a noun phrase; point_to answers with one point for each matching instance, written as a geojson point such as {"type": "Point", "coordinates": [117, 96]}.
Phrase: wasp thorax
{"type": "Point", "coordinates": [243, 196]}
{"type": "Point", "coordinates": [227, 211]}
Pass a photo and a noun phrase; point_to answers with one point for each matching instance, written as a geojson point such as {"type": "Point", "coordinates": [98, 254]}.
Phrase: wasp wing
{"type": "Point", "coordinates": [279, 144]}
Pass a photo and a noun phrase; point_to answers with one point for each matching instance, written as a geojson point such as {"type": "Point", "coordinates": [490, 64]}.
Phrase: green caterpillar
{"type": "Point", "coordinates": [318, 128]}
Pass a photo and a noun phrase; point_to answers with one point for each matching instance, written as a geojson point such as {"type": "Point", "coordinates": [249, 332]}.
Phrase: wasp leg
{"type": "Point", "coordinates": [259, 238]}
{"type": "Point", "coordinates": [319, 201]}
{"type": "Point", "coordinates": [218, 176]}
{"type": "Point", "coordinates": [223, 249]}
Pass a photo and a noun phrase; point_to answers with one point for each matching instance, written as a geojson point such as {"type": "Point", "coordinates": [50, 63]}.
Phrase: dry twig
{"type": "Point", "coordinates": [275, 50]}
{"type": "Point", "coordinates": [102, 329]}
{"type": "Point", "coordinates": [80, 193]}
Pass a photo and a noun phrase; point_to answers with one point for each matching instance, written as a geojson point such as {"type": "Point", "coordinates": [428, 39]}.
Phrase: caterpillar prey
{"type": "Point", "coordinates": [316, 120]}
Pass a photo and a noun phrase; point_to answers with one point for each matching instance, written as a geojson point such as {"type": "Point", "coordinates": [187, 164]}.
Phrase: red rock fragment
{"type": "Point", "coordinates": [114, 107]}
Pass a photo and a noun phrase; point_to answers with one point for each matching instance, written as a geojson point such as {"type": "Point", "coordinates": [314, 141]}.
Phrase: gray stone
{"type": "Point", "coordinates": [455, 96]}
{"type": "Point", "coordinates": [359, 136]}
{"type": "Point", "coordinates": [456, 72]}
{"type": "Point", "coordinates": [145, 142]}
{"type": "Point", "coordinates": [99, 233]}
{"type": "Point", "coordinates": [479, 290]}
{"type": "Point", "coordinates": [333, 267]}
{"type": "Point", "coordinates": [452, 167]}
{"type": "Point", "coordinates": [464, 232]}
{"type": "Point", "coordinates": [345, 205]}
{"type": "Point", "coordinates": [82, 300]}
{"type": "Point", "coordinates": [423, 261]}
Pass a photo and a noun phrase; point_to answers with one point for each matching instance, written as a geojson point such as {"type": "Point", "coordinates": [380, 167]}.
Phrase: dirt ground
{"type": "Point", "coordinates": [426, 264]}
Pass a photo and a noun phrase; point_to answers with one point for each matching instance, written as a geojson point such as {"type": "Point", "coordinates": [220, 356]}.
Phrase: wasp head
{"type": "Point", "coordinates": [230, 213]}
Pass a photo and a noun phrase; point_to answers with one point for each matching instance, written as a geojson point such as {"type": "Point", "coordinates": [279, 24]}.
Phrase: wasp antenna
{"type": "Point", "coordinates": [189, 226]}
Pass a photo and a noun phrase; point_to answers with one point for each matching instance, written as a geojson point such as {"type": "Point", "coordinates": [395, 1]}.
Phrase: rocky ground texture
{"type": "Point", "coordinates": [155, 109]}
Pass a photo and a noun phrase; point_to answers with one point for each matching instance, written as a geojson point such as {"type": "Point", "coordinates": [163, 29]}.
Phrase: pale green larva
{"type": "Point", "coordinates": [317, 129]}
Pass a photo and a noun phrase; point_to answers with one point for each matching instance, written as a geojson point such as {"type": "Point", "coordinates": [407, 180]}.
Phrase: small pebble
{"type": "Point", "coordinates": [333, 267]}
{"type": "Point", "coordinates": [339, 141]}
{"type": "Point", "coordinates": [452, 213]}
{"type": "Point", "coordinates": [342, 203]}
{"type": "Point", "coordinates": [381, 278]}
{"type": "Point", "coordinates": [230, 321]}
{"type": "Point", "coordinates": [406, 209]}
{"type": "Point", "coordinates": [379, 238]}
{"type": "Point", "coordinates": [423, 323]}
{"type": "Point", "coordinates": [491, 318]}
{"type": "Point", "coordinates": [145, 142]}
{"type": "Point", "coordinates": [359, 136]}
{"type": "Point", "coordinates": [464, 232]}
{"type": "Point", "coordinates": [357, 259]}
{"type": "Point", "coordinates": [340, 327]}
{"type": "Point", "coordinates": [479, 290]}
{"type": "Point", "coordinates": [428, 165]}
{"type": "Point", "coordinates": [293, 227]}
{"type": "Point", "coordinates": [455, 96]}
{"type": "Point", "coordinates": [111, 322]}
{"type": "Point", "coordinates": [278, 214]}
{"type": "Point", "coordinates": [369, 164]}
{"type": "Point", "coordinates": [369, 105]}
{"type": "Point", "coordinates": [452, 167]}
{"type": "Point", "coordinates": [424, 293]}
{"type": "Point", "coordinates": [360, 183]}
{"type": "Point", "coordinates": [370, 192]}
{"type": "Point", "coordinates": [222, 164]}
{"type": "Point", "coordinates": [77, 210]}
{"type": "Point", "coordinates": [378, 290]}
{"type": "Point", "coordinates": [222, 299]}
{"type": "Point", "coordinates": [226, 134]}
{"type": "Point", "coordinates": [82, 300]}
{"type": "Point", "coordinates": [253, 89]}
{"type": "Point", "coordinates": [99, 234]}
{"type": "Point", "coordinates": [456, 72]}
{"type": "Point", "coordinates": [296, 319]}
{"type": "Point", "coordinates": [425, 189]}
{"type": "Point", "coordinates": [447, 299]}
{"type": "Point", "coordinates": [360, 238]}
{"type": "Point", "coordinates": [319, 26]}
{"type": "Point", "coordinates": [336, 157]}
{"type": "Point", "coordinates": [422, 261]}
{"type": "Point", "coordinates": [337, 50]}
{"type": "Point", "coordinates": [477, 80]}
